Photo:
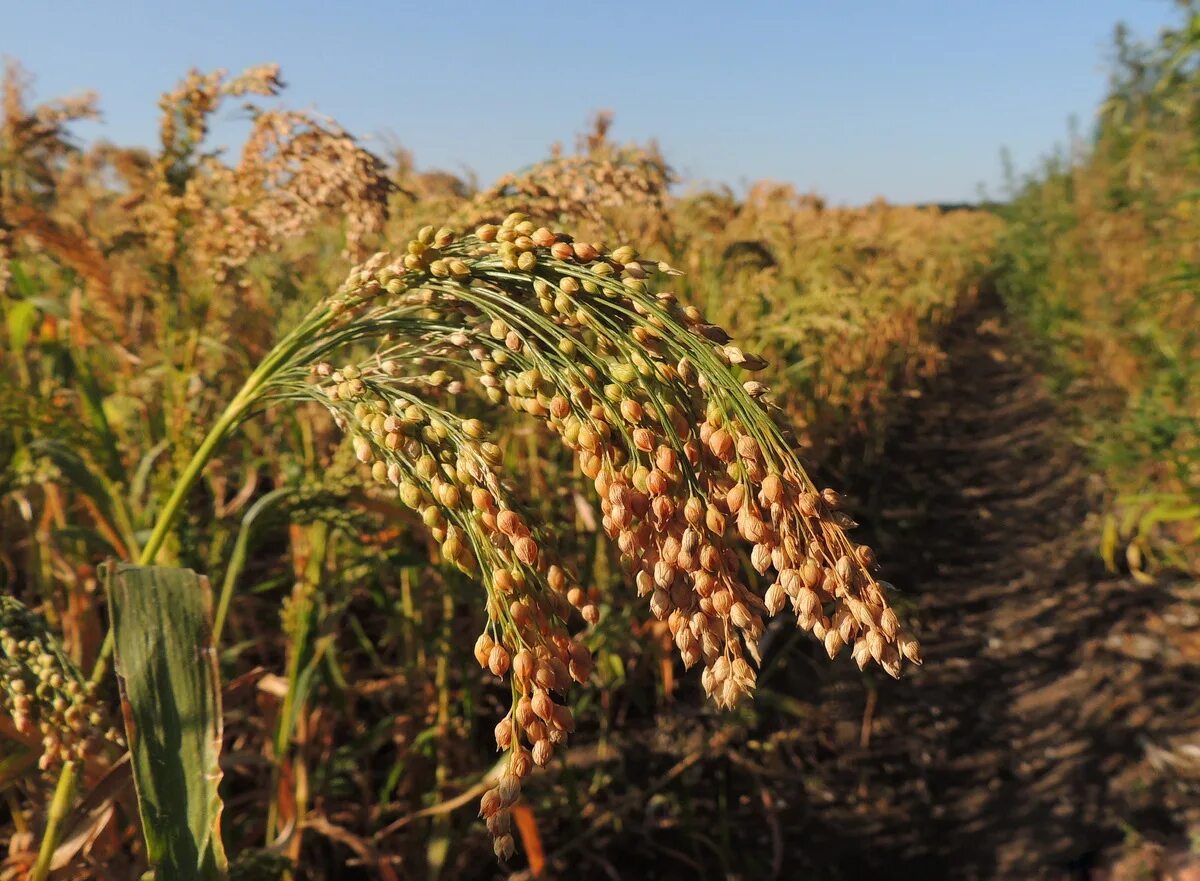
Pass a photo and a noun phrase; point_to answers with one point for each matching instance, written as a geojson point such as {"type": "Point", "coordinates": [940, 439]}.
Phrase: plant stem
{"type": "Point", "coordinates": [64, 792]}
{"type": "Point", "coordinates": [191, 473]}
{"type": "Point", "coordinates": [234, 411]}
{"type": "Point", "coordinates": [174, 504]}
{"type": "Point", "coordinates": [301, 614]}
{"type": "Point", "coordinates": [259, 378]}
{"type": "Point", "coordinates": [237, 559]}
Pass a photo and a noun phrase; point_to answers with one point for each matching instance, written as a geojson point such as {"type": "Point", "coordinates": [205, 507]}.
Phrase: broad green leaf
{"type": "Point", "coordinates": [171, 701]}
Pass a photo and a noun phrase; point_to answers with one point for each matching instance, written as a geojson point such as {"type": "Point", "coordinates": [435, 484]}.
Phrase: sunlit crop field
{"type": "Point", "coordinates": [361, 522]}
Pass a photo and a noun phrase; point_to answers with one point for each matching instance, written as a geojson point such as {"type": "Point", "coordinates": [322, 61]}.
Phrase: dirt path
{"type": "Point", "coordinates": [1056, 702]}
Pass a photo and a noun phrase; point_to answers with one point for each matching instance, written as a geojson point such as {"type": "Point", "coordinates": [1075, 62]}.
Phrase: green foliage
{"type": "Point", "coordinates": [1099, 258]}
{"type": "Point", "coordinates": [171, 701]}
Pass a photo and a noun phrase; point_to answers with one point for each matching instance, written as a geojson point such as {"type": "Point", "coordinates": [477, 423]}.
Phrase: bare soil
{"type": "Point", "coordinates": [1054, 729]}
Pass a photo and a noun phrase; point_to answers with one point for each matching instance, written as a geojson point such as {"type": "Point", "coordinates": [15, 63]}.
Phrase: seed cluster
{"type": "Point", "coordinates": [683, 452]}
{"type": "Point", "coordinates": [445, 469]}
{"type": "Point", "coordinates": [601, 184]}
{"type": "Point", "coordinates": [188, 108]}
{"type": "Point", "coordinates": [295, 168]}
{"type": "Point", "coordinates": [43, 691]}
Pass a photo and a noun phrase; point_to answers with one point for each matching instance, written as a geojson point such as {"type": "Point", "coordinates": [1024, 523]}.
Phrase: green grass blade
{"type": "Point", "coordinates": [171, 700]}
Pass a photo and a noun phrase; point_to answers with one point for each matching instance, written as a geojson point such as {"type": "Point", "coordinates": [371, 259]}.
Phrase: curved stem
{"type": "Point", "coordinates": [242, 402]}
{"type": "Point", "coordinates": [174, 504]}
{"type": "Point", "coordinates": [258, 380]}
{"type": "Point", "coordinates": [191, 472]}
{"type": "Point", "coordinates": [237, 559]}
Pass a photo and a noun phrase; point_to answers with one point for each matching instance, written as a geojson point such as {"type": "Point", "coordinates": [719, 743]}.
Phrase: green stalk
{"type": "Point", "coordinates": [174, 504]}
{"type": "Point", "coordinates": [246, 397]}
{"type": "Point", "coordinates": [299, 654]}
{"type": "Point", "coordinates": [237, 408]}
{"type": "Point", "coordinates": [64, 793]}
{"type": "Point", "coordinates": [438, 847]}
{"type": "Point", "coordinates": [237, 559]}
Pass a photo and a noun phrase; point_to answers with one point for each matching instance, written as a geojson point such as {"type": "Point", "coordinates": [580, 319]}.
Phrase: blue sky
{"type": "Point", "coordinates": [912, 100]}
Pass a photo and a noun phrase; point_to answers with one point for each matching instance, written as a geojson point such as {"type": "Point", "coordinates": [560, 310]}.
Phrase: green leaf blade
{"type": "Point", "coordinates": [171, 701]}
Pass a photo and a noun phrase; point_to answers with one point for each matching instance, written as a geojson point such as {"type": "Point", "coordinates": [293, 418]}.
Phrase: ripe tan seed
{"type": "Point", "coordinates": [498, 660]}
{"type": "Point", "coordinates": [524, 665]}
{"type": "Point", "coordinates": [543, 707]}
{"type": "Point", "coordinates": [721, 444]}
{"type": "Point", "coordinates": [483, 649]}
{"type": "Point", "coordinates": [490, 803]}
{"type": "Point", "coordinates": [772, 490]}
{"type": "Point", "coordinates": [504, 847]}
{"type": "Point", "coordinates": [775, 599]}
{"type": "Point", "coordinates": [584, 252]}
{"type": "Point", "coordinates": [526, 550]}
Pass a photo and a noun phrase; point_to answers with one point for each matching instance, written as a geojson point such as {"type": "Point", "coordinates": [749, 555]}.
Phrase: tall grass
{"type": "Point", "coordinates": [1101, 259]}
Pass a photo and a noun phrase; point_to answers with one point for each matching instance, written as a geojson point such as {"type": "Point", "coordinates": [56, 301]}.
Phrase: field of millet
{"type": "Point", "coordinates": [357, 522]}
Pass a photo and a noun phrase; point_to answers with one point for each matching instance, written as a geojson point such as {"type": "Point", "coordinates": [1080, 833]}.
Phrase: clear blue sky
{"type": "Point", "coordinates": [910, 99]}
